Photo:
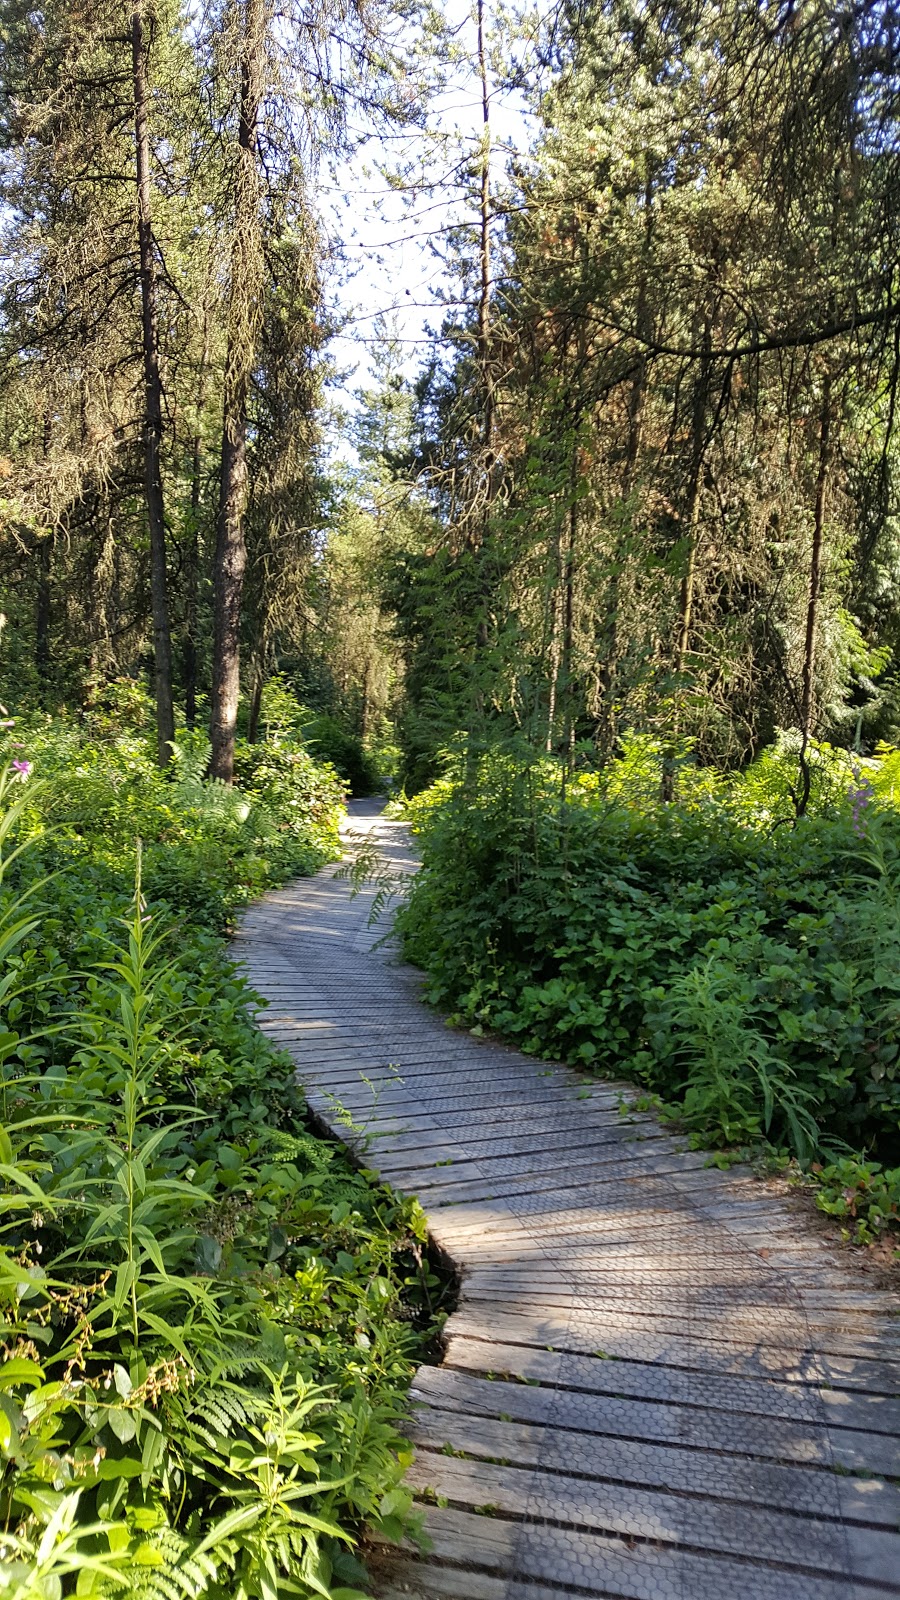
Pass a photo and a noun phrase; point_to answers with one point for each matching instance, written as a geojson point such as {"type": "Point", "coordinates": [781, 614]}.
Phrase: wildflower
{"type": "Point", "coordinates": [21, 769]}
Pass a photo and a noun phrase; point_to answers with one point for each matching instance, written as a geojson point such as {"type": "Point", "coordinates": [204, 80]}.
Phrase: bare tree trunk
{"type": "Point", "coordinates": [479, 528]}
{"type": "Point", "coordinates": [569, 608]}
{"type": "Point", "coordinates": [692, 514]}
{"type": "Point", "coordinates": [815, 567]}
{"type": "Point", "coordinates": [686, 603]}
{"type": "Point", "coordinates": [44, 595]}
{"type": "Point", "coordinates": [189, 638]}
{"type": "Point", "coordinates": [605, 732]}
{"type": "Point", "coordinates": [609, 648]}
{"type": "Point", "coordinates": [42, 607]}
{"type": "Point", "coordinates": [256, 694]}
{"type": "Point", "coordinates": [192, 548]}
{"type": "Point", "coordinates": [556, 635]}
{"type": "Point", "coordinates": [153, 414]}
{"type": "Point", "coordinates": [365, 710]}
{"type": "Point", "coordinates": [639, 384]}
{"type": "Point", "coordinates": [243, 326]}
{"type": "Point", "coordinates": [691, 525]}
{"type": "Point", "coordinates": [484, 299]}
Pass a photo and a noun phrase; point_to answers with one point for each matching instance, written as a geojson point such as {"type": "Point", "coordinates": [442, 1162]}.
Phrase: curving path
{"type": "Point", "coordinates": [658, 1384]}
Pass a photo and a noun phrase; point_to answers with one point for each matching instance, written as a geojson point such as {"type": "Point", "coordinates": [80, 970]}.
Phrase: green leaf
{"type": "Point", "coordinates": [112, 1467]}
{"type": "Point", "coordinates": [122, 1380]}
{"type": "Point", "coordinates": [124, 1279]}
{"type": "Point", "coordinates": [208, 1255]}
{"type": "Point", "coordinates": [17, 1370]}
{"type": "Point", "coordinates": [235, 1522]}
{"type": "Point", "coordinates": [123, 1423]}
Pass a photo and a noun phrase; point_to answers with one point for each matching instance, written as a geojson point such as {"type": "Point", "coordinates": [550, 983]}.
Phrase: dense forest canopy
{"type": "Point", "coordinates": [645, 478]}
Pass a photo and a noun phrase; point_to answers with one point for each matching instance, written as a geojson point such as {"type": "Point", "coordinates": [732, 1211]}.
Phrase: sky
{"type": "Point", "coordinates": [391, 270]}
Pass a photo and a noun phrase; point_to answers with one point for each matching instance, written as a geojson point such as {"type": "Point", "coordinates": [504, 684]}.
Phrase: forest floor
{"type": "Point", "coordinates": [660, 1382]}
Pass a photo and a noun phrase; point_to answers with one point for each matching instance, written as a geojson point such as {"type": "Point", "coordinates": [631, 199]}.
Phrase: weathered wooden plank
{"type": "Point", "coordinates": [583, 1145]}
{"type": "Point", "coordinates": [728, 1291]}
{"type": "Point", "coordinates": [617, 1569]}
{"type": "Point", "coordinates": [816, 1543]}
{"type": "Point", "coordinates": [676, 1386]}
{"type": "Point", "coordinates": [759, 1324]}
{"type": "Point", "coordinates": [604, 1155]}
{"type": "Point", "coordinates": [698, 1428]}
{"type": "Point", "coordinates": [576, 1330]}
{"type": "Point", "coordinates": [411, 1579]}
{"type": "Point", "coordinates": [654, 1466]}
{"type": "Point", "coordinates": [557, 1134]}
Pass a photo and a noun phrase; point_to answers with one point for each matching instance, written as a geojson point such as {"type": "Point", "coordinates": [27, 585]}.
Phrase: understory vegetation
{"type": "Point", "coordinates": [209, 1318]}
{"type": "Point", "coordinates": [740, 964]}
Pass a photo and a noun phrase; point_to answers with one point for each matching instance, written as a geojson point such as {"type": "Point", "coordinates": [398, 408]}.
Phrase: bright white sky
{"type": "Point", "coordinates": [389, 244]}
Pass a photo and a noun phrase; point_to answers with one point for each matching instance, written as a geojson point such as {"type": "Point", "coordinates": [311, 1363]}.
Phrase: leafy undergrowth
{"type": "Point", "coordinates": [861, 1194]}
{"type": "Point", "coordinates": [207, 848]}
{"type": "Point", "coordinates": [210, 1319]}
{"type": "Point", "coordinates": [744, 969]}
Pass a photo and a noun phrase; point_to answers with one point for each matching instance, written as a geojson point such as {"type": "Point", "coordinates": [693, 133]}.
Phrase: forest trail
{"type": "Point", "coordinates": [659, 1384]}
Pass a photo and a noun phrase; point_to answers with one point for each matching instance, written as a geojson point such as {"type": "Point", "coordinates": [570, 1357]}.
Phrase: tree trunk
{"type": "Point", "coordinates": [189, 638]}
{"type": "Point", "coordinates": [639, 383]}
{"type": "Point", "coordinates": [259, 680]}
{"type": "Point", "coordinates": [692, 516]}
{"type": "Point", "coordinates": [556, 637]}
{"type": "Point", "coordinates": [569, 609]}
{"type": "Point", "coordinates": [483, 484]}
{"type": "Point", "coordinates": [153, 413]}
{"type": "Point", "coordinates": [192, 547]}
{"type": "Point", "coordinates": [365, 710]}
{"type": "Point", "coordinates": [44, 596]}
{"type": "Point", "coordinates": [605, 732]}
{"type": "Point", "coordinates": [484, 299]}
{"type": "Point", "coordinates": [42, 607]}
{"type": "Point", "coordinates": [815, 567]}
{"type": "Point", "coordinates": [243, 328]}
{"type": "Point", "coordinates": [691, 524]}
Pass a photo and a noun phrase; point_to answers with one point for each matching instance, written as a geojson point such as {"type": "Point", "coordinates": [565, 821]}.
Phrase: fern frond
{"type": "Point", "coordinates": [220, 1415]}
{"type": "Point", "coordinates": [298, 1147]}
{"type": "Point", "coordinates": [176, 1572]}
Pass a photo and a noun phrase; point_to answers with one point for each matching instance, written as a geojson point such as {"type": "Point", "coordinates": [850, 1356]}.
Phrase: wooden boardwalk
{"type": "Point", "coordinates": [659, 1384]}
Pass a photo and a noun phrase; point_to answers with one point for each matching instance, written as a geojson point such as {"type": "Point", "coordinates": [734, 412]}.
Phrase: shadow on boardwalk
{"type": "Point", "coordinates": [657, 1385]}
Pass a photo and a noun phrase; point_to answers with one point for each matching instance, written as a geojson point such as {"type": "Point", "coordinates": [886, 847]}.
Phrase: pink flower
{"type": "Point", "coordinates": [21, 768]}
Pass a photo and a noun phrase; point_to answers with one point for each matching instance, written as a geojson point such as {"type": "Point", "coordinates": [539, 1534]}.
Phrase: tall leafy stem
{"type": "Point", "coordinates": [16, 923]}
{"type": "Point", "coordinates": [129, 1035]}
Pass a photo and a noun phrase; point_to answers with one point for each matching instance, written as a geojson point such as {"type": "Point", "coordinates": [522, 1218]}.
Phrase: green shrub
{"type": "Point", "coordinates": [210, 1319]}
{"type": "Point", "coordinates": [288, 724]}
{"type": "Point", "coordinates": [747, 969]}
{"type": "Point", "coordinates": [331, 741]}
{"type": "Point", "coordinates": [861, 1194]}
{"type": "Point", "coordinates": [208, 848]}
